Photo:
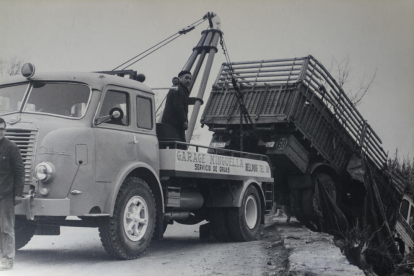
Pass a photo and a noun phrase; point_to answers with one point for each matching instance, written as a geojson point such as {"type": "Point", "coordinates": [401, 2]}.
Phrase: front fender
{"type": "Point", "coordinates": [127, 170]}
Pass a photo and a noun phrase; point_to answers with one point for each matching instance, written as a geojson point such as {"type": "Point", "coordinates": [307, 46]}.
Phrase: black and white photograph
{"type": "Point", "coordinates": [184, 138]}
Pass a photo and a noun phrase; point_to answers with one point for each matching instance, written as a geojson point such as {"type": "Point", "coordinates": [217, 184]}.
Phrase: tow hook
{"type": "Point", "coordinates": [28, 204]}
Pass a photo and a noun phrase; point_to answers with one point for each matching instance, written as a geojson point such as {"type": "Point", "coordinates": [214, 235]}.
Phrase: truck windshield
{"type": "Point", "coordinates": [11, 98]}
{"type": "Point", "coordinates": [63, 99]}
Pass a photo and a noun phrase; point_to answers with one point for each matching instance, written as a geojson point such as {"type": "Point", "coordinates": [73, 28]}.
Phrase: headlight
{"type": "Point", "coordinates": [44, 171]}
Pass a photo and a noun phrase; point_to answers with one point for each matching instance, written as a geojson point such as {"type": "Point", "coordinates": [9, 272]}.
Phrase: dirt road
{"type": "Point", "coordinates": [78, 252]}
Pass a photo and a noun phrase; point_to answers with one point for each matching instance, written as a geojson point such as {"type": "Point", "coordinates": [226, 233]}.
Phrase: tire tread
{"type": "Point", "coordinates": [108, 229]}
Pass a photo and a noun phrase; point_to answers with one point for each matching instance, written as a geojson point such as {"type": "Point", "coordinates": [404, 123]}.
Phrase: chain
{"type": "Point", "coordinates": [244, 114]}
{"type": "Point", "coordinates": [241, 132]}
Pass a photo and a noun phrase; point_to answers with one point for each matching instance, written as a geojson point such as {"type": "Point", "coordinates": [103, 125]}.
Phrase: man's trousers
{"type": "Point", "coordinates": [7, 240]}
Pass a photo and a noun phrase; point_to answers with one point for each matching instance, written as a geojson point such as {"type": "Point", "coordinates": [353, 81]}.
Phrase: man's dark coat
{"type": "Point", "coordinates": [11, 170]}
{"type": "Point", "coordinates": [176, 109]}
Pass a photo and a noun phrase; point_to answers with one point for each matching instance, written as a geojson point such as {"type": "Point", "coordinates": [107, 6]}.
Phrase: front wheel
{"type": "Point", "coordinates": [128, 233]}
{"type": "Point", "coordinates": [24, 232]}
{"type": "Point", "coordinates": [245, 221]}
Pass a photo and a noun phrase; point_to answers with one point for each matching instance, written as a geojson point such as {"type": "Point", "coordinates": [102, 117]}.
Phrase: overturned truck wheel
{"type": "Point", "coordinates": [244, 222]}
{"type": "Point", "coordinates": [128, 233]}
{"type": "Point", "coordinates": [311, 200]}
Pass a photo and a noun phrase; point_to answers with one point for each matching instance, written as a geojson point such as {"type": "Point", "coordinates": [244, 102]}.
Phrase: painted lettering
{"type": "Point", "coordinates": [194, 157]}
{"type": "Point", "coordinates": [44, 150]}
{"type": "Point", "coordinates": [224, 169]}
{"type": "Point", "coordinates": [200, 167]}
{"type": "Point", "coordinates": [251, 167]}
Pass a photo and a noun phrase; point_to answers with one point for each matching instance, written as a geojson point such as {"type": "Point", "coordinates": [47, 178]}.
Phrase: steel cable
{"type": "Point", "coordinates": [196, 23]}
{"type": "Point", "coordinates": [244, 113]}
{"type": "Point", "coordinates": [151, 52]}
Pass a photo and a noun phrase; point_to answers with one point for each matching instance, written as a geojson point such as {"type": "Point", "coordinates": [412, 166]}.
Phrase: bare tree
{"type": "Point", "coordinates": [342, 70]}
{"type": "Point", "coordinates": [404, 166]}
{"type": "Point", "coordinates": [10, 66]}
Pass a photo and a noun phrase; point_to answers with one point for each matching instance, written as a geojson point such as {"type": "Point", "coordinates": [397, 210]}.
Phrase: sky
{"type": "Point", "coordinates": [376, 36]}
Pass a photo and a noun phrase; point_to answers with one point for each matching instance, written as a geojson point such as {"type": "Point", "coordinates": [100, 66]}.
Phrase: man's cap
{"type": "Point", "coordinates": [182, 73]}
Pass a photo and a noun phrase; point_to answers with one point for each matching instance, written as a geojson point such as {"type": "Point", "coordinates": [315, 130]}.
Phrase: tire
{"type": "Point", "coordinates": [219, 225]}
{"type": "Point", "coordinates": [127, 234]}
{"type": "Point", "coordinates": [244, 222]}
{"type": "Point", "coordinates": [164, 226]}
{"type": "Point", "coordinates": [23, 232]}
{"type": "Point", "coordinates": [310, 199]}
{"type": "Point", "coordinates": [311, 219]}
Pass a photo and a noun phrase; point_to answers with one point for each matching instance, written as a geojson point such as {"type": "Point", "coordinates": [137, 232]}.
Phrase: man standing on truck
{"type": "Point", "coordinates": [176, 106]}
{"type": "Point", "coordinates": [11, 186]}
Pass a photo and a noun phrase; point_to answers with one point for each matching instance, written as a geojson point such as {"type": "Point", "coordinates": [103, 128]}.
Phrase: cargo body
{"type": "Point", "coordinates": [304, 122]}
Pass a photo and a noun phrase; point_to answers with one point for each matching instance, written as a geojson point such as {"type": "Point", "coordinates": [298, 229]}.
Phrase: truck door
{"type": "Point", "coordinates": [146, 139]}
{"type": "Point", "coordinates": [115, 145]}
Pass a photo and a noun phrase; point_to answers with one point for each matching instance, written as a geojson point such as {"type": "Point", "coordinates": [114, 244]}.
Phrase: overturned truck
{"type": "Point", "coordinates": [329, 166]}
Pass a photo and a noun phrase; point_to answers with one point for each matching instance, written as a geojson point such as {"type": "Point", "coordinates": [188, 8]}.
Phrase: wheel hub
{"type": "Point", "coordinates": [250, 212]}
{"type": "Point", "coordinates": [135, 218]}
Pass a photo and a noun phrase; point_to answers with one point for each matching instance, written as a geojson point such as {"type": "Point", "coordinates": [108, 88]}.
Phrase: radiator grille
{"type": "Point", "coordinates": [25, 140]}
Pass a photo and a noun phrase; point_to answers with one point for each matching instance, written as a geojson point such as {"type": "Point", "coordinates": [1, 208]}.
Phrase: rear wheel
{"type": "Point", "coordinates": [245, 221]}
{"type": "Point", "coordinates": [219, 224]}
{"type": "Point", "coordinates": [128, 233]}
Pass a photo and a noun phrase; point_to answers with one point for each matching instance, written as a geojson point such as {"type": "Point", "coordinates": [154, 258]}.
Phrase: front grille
{"type": "Point", "coordinates": [25, 140]}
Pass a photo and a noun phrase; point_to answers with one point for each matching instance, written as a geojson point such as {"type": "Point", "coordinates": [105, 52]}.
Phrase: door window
{"type": "Point", "coordinates": [144, 113]}
{"type": "Point", "coordinates": [116, 99]}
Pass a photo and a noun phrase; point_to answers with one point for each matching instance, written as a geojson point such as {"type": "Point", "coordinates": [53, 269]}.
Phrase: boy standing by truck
{"type": "Point", "coordinates": [11, 185]}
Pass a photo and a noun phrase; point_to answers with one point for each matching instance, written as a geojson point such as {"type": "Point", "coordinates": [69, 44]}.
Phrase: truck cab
{"type": "Point", "coordinates": [405, 224]}
{"type": "Point", "coordinates": [62, 123]}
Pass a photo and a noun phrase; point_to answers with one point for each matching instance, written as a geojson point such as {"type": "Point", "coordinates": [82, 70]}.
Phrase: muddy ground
{"type": "Point", "coordinates": [285, 249]}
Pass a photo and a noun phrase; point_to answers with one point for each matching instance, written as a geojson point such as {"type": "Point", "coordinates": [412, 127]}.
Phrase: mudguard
{"type": "Point", "coordinates": [121, 176]}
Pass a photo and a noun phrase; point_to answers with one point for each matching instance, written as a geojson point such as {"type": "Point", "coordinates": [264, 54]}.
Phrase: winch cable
{"type": "Point", "coordinates": [244, 113]}
{"type": "Point", "coordinates": [164, 43]}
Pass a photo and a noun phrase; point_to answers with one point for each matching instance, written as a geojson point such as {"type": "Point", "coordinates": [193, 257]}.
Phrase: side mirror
{"type": "Point", "coordinates": [176, 81]}
{"type": "Point", "coordinates": [116, 114]}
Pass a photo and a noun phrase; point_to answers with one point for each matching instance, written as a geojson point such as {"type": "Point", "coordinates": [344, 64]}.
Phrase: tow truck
{"type": "Point", "coordinates": [93, 151]}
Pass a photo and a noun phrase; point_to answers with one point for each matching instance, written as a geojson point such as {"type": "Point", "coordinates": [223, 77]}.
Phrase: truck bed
{"type": "Point", "coordinates": [298, 91]}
